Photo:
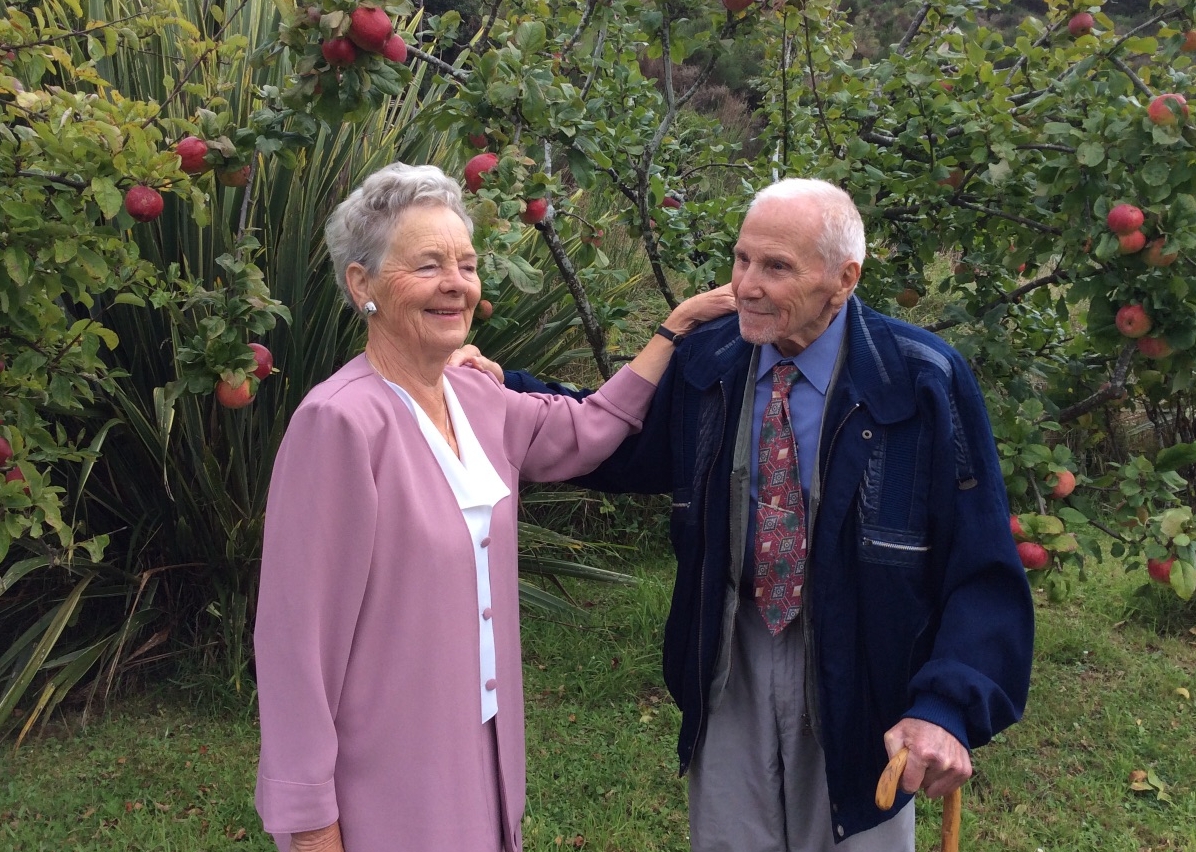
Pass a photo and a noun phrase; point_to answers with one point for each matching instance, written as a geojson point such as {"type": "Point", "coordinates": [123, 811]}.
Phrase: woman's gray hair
{"type": "Point", "coordinates": [842, 238]}
{"type": "Point", "coordinates": [361, 228]}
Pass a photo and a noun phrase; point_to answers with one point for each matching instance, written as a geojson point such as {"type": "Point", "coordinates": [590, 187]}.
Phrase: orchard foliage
{"type": "Point", "coordinates": [986, 163]}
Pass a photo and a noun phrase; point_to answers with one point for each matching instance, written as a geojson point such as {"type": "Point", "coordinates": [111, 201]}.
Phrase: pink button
{"type": "Point", "coordinates": [486, 541]}
{"type": "Point", "coordinates": [492, 684]}
{"type": "Point", "coordinates": [487, 613]}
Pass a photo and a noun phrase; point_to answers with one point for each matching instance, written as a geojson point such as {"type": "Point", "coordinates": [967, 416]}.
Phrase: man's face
{"type": "Point", "coordinates": [784, 291]}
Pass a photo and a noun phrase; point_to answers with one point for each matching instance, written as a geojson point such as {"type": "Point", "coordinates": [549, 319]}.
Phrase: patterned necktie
{"type": "Point", "coordinates": [780, 548]}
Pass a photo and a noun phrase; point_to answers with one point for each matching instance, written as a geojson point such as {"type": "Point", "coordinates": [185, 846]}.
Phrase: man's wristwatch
{"type": "Point", "coordinates": [669, 335]}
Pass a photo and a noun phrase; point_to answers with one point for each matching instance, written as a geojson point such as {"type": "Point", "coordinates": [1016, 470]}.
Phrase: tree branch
{"type": "Point", "coordinates": [1112, 390]}
{"type": "Point", "coordinates": [439, 64]}
{"type": "Point", "coordinates": [1001, 214]}
{"type": "Point", "coordinates": [1010, 297]}
{"type": "Point", "coordinates": [826, 129]}
{"type": "Point", "coordinates": [567, 48]}
{"type": "Point", "coordinates": [914, 26]}
{"type": "Point", "coordinates": [589, 321]}
{"type": "Point", "coordinates": [59, 179]}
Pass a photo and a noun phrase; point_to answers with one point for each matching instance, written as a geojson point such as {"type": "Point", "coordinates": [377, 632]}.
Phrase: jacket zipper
{"type": "Point", "coordinates": [892, 545]}
{"type": "Point", "coordinates": [813, 720]}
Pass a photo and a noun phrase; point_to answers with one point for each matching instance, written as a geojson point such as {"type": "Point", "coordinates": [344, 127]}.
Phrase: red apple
{"type": "Point", "coordinates": [5, 451]}
{"type": "Point", "coordinates": [1080, 24]}
{"type": "Point", "coordinates": [594, 237]}
{"type": "Point", "coordinates": [234, 396]}
{"type": "Point", "coordinates": [945, 85]}
{"type": "Point", "coordinates": [1132, 321]}
{"type": "Point", "coordinates": [670, 201]}
{"type": "Point", "coordinates": [370, 28]}
{"type": "Point", "coordinates": [908, 298]}
{"type": "Point", "coordinates": [314, 13]}
{"type": "Point", "coordinates": [234, 177]}
{"type": "Point", "coordinates": [192, 150]}
{"type": "Point", "coordinates": [1154, 347]}
{"type": "Point", "coordinates": [537, 209]}
{"type": "Point", "coordinates": [1131, 243]}
{"type": "Point", "coordinates": [1062, 484]}
{"type": "Point", "coordinates": [479, 140]}
{"type": "Point", "coordinates": [395, 49]}
{"type": "Point", "coordinates": [485, 310]}
{"type": "Point", "coordinates": [1189, 45]}
{"type": "Point", "coordinates": [1163, 109]}
{"type": "Point", "coordinates": [1015, 527]}
{"type": "Point", "coordinates": [1154, 254]}
{"type": "Point", "coordinates": [264, 359]}
{"type": "Point", "coordinates": [338, 52]}
{"type": "Point", "coordinates": [477, 167]}
{"type": "Point", "coordinates": [737, 5]}
{"type": "Point", "coordinates": [144, 203]}
{"type": "Point", "coordinates": [1033, 555]}
{"type": "Point", "coordinates": [1124, 219]}
{"type": "Point", "coordinates": [954, 179]}
{"type": "Point", "coordinates": [1160, 569]}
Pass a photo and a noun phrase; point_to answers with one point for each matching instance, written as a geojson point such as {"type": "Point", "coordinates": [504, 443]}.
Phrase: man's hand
{"type": "Point", "coordinates": [321, 840]}
{"type": "Point", "coordinates": [938, 763]}
{"type": "Point", "coordinates": [470, 356]}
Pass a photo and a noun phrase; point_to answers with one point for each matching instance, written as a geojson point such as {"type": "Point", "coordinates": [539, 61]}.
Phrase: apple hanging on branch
{"type": "Point", "coordinates": [264, 360]}
{"type": "Point", "coordinates": [1062, 484]}
{"type": "Point", "coordinates": [1132, 320]}
{"type": "Point", "coordinates": [1081, 24]}
{"type": "Point", "coordinates": [477, 167]}
{"type": "Point", "coordinates": [1167, 109]}
{"type": "Point", "coordinates": [1033, 555]}
{"type": "Point", "coordinates": [144, 203]}
{"type": "Point", "coordinates": [536, 210]}
{"type": "Point", "coordinates": [234, 396]}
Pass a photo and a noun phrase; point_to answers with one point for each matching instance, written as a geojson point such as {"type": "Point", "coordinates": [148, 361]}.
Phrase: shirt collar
{"type": "Point", "coordinates": [816, 362]}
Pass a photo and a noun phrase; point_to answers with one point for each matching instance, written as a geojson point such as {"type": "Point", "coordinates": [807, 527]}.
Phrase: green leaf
{"type": "Point", "coordinates": [1090, 154]}
{"type": "Point", "coordinates": [530, 37]}
{"type": "Point", "coordinates": [1183, 579]}
{"type": "Point", "coordinates": [107, 196]}
{"type": "Point", "coordinates": [1176, 457]}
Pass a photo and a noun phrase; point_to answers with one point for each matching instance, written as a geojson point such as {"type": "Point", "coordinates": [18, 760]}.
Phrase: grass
{"type": "Point", "coordinates": [161, 773]}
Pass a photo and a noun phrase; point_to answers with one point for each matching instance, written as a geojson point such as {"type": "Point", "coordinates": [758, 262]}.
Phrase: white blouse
{"type": "Point", "coordinates": [477, 487]}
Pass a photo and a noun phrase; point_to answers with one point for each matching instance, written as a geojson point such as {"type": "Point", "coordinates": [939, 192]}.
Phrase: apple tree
{"type": "Point", "coordinates": [989, 165]}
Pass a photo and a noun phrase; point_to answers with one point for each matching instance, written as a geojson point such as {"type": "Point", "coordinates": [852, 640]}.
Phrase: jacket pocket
{"type": "Point", "coordinates": [893, 547]}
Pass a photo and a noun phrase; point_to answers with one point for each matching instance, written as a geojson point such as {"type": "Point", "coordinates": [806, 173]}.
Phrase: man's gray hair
{"type": "Point", "coordinates": [842, 237]}
{"type": "Point", "coordinates": [361, 228]}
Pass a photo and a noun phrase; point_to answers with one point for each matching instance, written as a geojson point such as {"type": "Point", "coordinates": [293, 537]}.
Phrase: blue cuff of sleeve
{"type": "Point", "coordinates": [939, 711]}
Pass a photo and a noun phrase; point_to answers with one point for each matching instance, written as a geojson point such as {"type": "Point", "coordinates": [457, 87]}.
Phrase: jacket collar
{"type": "Point", "coordinates": [715, 351]}
{"type": "Point", "coordinates": [876, 371]}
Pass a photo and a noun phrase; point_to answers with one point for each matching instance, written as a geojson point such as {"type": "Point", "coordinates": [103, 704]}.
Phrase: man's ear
{"type": "Point", "coordinates": [849, 276]}
{"type": "Point", "coordinates": [357, 281]}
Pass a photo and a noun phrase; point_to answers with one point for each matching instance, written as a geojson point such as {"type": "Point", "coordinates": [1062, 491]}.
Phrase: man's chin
{"type": "Point", "coordinates": [755, 334]}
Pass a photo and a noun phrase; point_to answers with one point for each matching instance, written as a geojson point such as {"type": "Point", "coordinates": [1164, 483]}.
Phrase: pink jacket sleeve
{"type": "Point", "coordinates": [552, 437]}
{"type": "Point", "coordinates": [320, 518]}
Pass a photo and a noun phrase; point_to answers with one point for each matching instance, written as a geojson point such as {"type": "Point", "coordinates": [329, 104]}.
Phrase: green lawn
{"type": "Point", "coordinates": [1110, 696]}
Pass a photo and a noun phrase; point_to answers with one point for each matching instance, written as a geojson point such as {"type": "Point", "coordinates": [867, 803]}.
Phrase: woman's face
{"type": "Point", "coordinates": [428, 285]}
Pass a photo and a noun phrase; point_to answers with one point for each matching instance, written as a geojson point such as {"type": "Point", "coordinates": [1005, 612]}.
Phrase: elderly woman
{"type": "Point", "coordinates": [387, 633]}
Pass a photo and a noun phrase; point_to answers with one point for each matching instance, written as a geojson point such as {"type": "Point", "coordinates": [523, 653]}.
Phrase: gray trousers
{"type": "Point", "coordinates": [757, 782]}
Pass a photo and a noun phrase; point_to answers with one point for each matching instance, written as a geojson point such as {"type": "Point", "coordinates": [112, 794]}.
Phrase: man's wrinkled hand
{"type": "Point", "coordinates": [938, 763]}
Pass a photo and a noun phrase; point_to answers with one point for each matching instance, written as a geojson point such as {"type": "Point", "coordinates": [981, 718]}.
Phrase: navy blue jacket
{"type": "Point", "coordinates": [915, 601]}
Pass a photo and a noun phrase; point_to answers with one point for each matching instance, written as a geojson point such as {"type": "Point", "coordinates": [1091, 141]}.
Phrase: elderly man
{"type": "Point", "coordinates": [846, 580]}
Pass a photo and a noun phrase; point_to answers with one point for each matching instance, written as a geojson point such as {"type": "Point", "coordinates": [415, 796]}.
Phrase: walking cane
{"type": "Point", "coordinates": [886, 792]}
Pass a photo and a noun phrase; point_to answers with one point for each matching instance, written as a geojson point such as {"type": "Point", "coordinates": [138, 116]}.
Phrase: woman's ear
{"type": "Point", "coordinates": [357, 281]}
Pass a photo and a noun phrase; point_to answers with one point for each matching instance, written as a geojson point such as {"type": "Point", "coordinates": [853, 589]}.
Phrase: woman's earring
{"type": "Point", "coordinates": [369, 309]}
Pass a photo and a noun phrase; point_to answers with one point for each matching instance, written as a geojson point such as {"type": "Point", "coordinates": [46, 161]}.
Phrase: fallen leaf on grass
{"type": "Point", "coordinates": [88, 813]}
{"type": "Point", "coordinates": [1183, 693]}
{"type": "Point", "coordinates": [239, 834]}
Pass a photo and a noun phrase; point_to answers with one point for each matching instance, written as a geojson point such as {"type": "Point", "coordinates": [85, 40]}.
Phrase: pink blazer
{"type": "Point", "coordinates": [366, 635]}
